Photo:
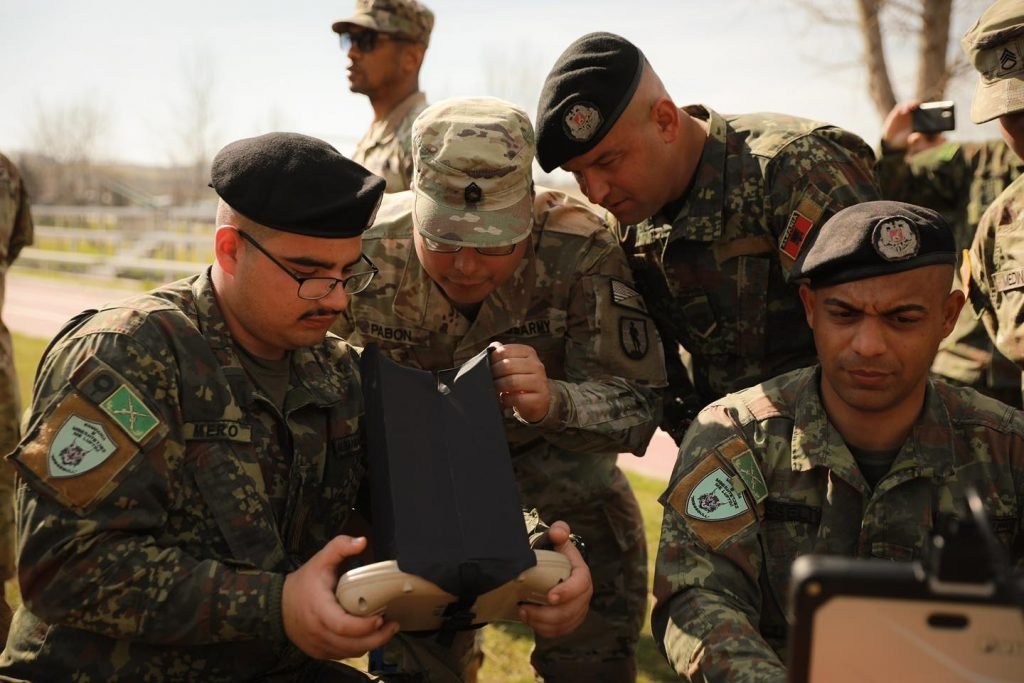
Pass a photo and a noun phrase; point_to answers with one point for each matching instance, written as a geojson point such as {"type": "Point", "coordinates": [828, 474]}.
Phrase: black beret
{"type": "Point", "coordinates": [586, 92]}
{"type": "Point", "coordinates": [296, 183]}
{"type": "Point", "coordinates": [875, 238]}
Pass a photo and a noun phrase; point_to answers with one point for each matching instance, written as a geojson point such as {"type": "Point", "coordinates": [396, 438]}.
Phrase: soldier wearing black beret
{"type": "Point", "coordinates": [193, 452]}
{"type": "Point", "coordinates": [713, 209]}
{"type": "Point", "coordinates": [857, 455]}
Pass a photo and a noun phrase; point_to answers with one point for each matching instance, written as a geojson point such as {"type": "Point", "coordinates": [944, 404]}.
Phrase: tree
{"type": "Point", "coordinates": [68, 137]}
{"type": "Point", "coordinates": [884, 23]}
{"type": "Point", "coordinates": [195, 118]}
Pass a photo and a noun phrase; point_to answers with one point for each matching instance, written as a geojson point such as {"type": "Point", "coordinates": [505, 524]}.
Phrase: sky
{"type": "Point", "coordinates": [277, 65]}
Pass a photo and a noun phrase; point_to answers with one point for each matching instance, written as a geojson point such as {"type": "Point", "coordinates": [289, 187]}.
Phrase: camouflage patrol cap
{"type": "Point", "coordinates": [995, 46]}
{"type": "Point", "coordinates": [405, 18]}
{"type": "Point", "coordinates": [472, 178]}
{"type": "Point", "coordinates": [585, 93]}
{"type": "Point", "coordinates": [296, 183]}
{"type": "Point", "coordinates": [873, 239]}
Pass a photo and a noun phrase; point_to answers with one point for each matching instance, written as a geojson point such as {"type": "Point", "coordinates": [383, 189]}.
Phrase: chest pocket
{"type": "Point", "coordinates": [230, 484]}
{"type": "Point", "coordinates": [789, 529]}
{"type": "Point", "coordinates": [719, 307]}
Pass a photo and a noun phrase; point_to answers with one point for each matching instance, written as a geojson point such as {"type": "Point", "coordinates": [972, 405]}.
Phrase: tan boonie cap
{"type": "Point", "coordinates": [995, 46]}
{"type": "Point", "coordinates": [406, 18]}
{"type": "Point", "coordinates": [472, 176]}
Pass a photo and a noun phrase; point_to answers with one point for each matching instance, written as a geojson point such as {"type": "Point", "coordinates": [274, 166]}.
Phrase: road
{"type": "Point", "coordinates": [37, 307]}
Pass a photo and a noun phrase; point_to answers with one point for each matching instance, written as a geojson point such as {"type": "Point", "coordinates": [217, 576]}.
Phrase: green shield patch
{"type": "Point", "coordinates": [750, 473]}
{"type": "Point", "coordinates": [128, 410]}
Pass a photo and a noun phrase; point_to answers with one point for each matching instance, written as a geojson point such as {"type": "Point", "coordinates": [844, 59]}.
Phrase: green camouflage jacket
{"type": "Point", "coordinates": [167, 497]}
{"type": "Point", "coordinates": [960, 180]}
{"type": "Point", "coordinates": [16, 231]}
{"type": "Point", "coordinates": [763, 478]}
{"type": "Point", "coordinates": [386, 149]}
{"type": "Point", "coordinates": [714, 273]}
{"type": "Point", "coordinates": [571, 299]}
{"type": "Point", "coordinates": [996, 287]}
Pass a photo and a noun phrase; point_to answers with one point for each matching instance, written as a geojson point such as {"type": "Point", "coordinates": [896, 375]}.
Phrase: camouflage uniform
{"type": "Point", "coordinates": [996, 287]}
{"type": "Point", "coordinates": [960, 180]}
{"type": "Point", "coordinates": [386, 148]}
{"type": "Point", "coordinates": [770, 455]}
{"type": "Point", "coordinates": [713, 270]}
{"type": "Point", "coordinates": [15, 232]}
{"type": "Point", "coordinates": [571, 299]}
{"type": "Point", "coordinates": [165, 497]}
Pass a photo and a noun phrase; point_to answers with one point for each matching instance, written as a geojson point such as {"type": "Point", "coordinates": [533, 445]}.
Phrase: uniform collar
{"type": "Point", "coordinates": [927, 452]}
{"type": "Point", "coordinates": [701, 217]}
{"type": "Point", "coordinates": [384, 130]}
{"type": "Point", "coordinates": [310, 366]}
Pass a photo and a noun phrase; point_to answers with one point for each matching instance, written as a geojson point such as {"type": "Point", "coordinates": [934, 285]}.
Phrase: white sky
{"type": "Point", "coordinates": [277, 65]}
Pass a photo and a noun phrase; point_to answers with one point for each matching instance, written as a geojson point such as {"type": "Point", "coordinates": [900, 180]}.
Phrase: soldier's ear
{"type": "Point", "coordinates": [412, 57]}
{"type": "Point", "coordinates": [225, 247]}
{"type": "Point", "coordinates": [807, 298]}
{"type": "Point", "coordinates": [665, 116]}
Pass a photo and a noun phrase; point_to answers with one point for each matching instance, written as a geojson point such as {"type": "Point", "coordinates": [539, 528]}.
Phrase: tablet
{"type": "Point", "coordinates": [876, 620]}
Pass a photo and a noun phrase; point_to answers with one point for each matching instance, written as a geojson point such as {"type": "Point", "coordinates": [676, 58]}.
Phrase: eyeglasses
{"type": "Point", "coordinates": [442, 248]}
{"type": "Point", "coordinates": [366, 41]}
{"type": "Point", "coordinates": [315, 288]}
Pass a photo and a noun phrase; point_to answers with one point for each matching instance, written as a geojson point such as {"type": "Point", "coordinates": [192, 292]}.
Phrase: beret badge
{"type": "Point", "coordinates": [895, 239]}
{"type": "Point", "coordinates": [581, 121]}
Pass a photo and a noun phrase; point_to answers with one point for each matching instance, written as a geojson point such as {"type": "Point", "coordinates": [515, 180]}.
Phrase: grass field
{"type": "Point", "coordinates": [507, 646]}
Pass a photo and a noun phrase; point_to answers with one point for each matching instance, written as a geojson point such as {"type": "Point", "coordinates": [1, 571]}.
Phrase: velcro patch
{"type": "Point", "coordinates": [78, 452]}
{"type": "Point", "coordinates": [217, 430]}
{"type": "Point", "coordinates": [633, 337]}
{"type": "Point", "coordinates": [128, 410]}
{"type": "Point", "coordinates": [1007, 280]}
{"type": "Point", "coordinates": [709, 499]}
{"type": "Point", "coordinates": [624, 295]}
{"type": "Point", "coordinates": [802, 221]}
{"type": "Point", "coordinates": [743, 460]}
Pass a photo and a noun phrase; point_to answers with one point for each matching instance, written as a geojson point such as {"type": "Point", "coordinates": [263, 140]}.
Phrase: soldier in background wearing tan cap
{"type": "Point", "coordinates": [386, 41]}
{"type": "Point", "coordinates": [994, 271]}
{"type": "Point", "coordinates": [475, 254]}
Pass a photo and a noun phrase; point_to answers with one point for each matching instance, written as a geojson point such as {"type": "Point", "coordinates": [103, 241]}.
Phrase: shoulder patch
{"type": "Point", "coordinates": [626, 296]}
{"type": "Point", "coordinates": [712, 502]}
{"type": "Point", "coordinates": [128, 410]}
{"type": "Point", "coordinates": [746, 467]}
{"type": "Point", "coordinates": [77, 452]}
{"type": "Point", "coordinates": [802, 221]}
{"type": "Point", "coordinates": [633, 337]}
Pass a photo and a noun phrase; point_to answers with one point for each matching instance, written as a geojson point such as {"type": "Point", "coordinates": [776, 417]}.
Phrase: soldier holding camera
{"type": "Point", "coordinates": [959, 180]}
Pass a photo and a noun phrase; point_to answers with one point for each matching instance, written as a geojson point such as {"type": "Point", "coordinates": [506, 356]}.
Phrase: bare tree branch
{"type": "Point", "coordinates": [879, 85]}
{"type": "Point", "coordinates": [933, 43]}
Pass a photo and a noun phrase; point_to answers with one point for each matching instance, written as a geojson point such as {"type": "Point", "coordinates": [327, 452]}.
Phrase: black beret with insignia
{"type": "Point", "coordinates": [872, 239]}
{"type": "Point", "coordinates": [585, 93]}
{"type": "Point", "coordinates": [298, 184]}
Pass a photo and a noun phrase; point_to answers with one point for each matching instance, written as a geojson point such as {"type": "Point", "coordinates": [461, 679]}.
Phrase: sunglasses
{"type": "Point", "coordinates": [442, 248]}
{"type": "Point", "coordinates": [366, 41]}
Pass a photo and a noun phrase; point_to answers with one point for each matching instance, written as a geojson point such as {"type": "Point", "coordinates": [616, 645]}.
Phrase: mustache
{"type": "Point", "coordinates": [319, 313]}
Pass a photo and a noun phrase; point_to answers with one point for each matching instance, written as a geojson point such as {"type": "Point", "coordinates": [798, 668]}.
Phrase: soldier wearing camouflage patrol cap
{"type": "Point", "coordinates": [16, 231]}
{"type": "Point", "coordinates": [474, 254]}
{"type": "Point", "coordinates": [856, 456]}
{"type": "Point", "coordinates": [386, 41]}
{"type": "Point", "coordinates": [960, 180]}
{"type": "Point", "coordinates": [193, 453]}
{"type": "Point", "coordinates": [994, 271]}
{"type": "Point", "coordinates": [713, 208]}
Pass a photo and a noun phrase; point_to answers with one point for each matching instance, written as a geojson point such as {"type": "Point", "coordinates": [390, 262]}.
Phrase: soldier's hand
{"type": "Point", "coordinates": [521, 381]}
{"type": "Point", "coordinates": [899, 125]}
{"type": "Point", "coordinates": [569, 600]}
{"type": "Point", "coordinates": [313, 619]}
